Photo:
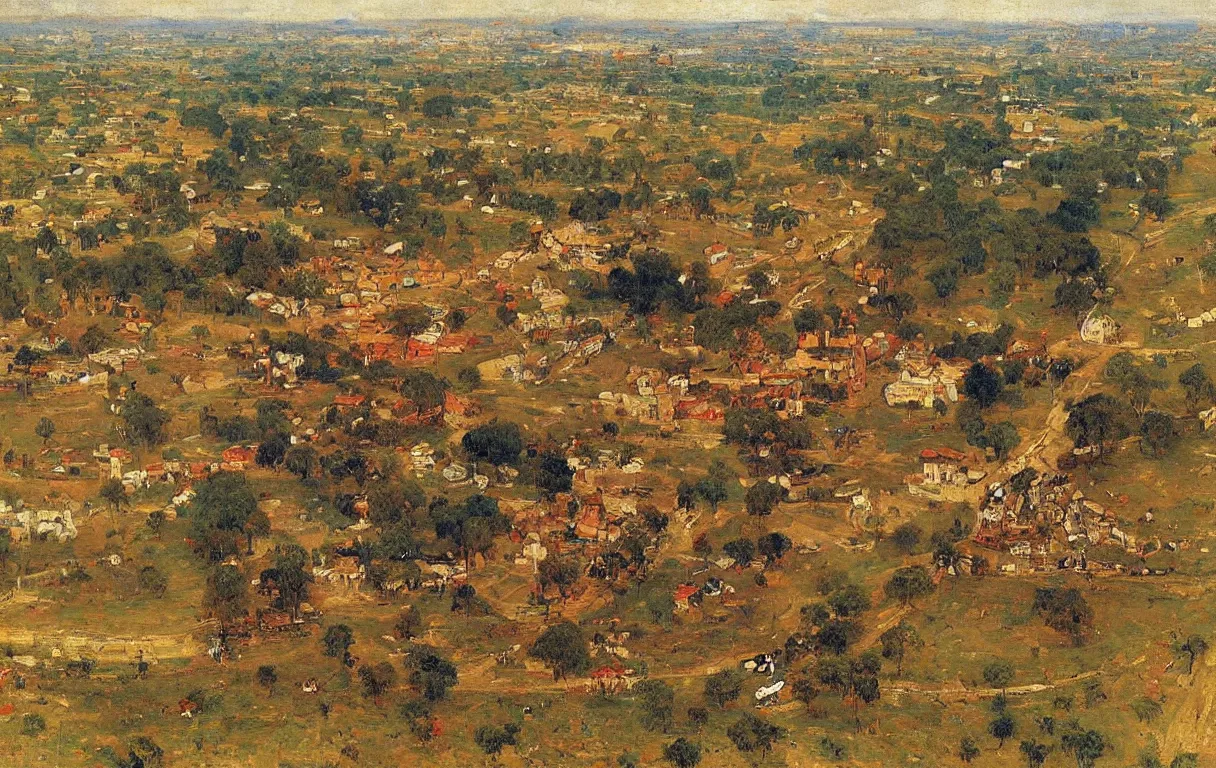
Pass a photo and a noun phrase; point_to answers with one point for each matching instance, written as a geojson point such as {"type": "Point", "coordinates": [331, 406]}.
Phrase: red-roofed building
{"type": "Point", "coordinates": [942, 466]}
{"type": "Point", "coordinates": [455, 406]}
{"type": "Point", "coordinates": [612, 678]}
{"type": "Point", "coordinates": [239, 457]}
{"type": "Point", "coordinates": [416, 349]}
{"type": "Point", "coordinates": [683, 594]}
{"type": "Point", "coordinates": [699, 409]}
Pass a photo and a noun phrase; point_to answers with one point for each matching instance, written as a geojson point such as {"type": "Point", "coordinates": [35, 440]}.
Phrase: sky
{"type": "Point", "coordinates": [1077, 11]}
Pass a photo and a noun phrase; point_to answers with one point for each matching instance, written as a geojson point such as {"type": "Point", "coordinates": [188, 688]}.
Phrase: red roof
{"type": "Point", "coordinates": [454, 405]}
{"type": "Point", "coordinates": [685, 591]}
{"type": "Point", "coordinates": [942, 453]}
{"type": "Point", "coordinates": [239, 453]}
{"type": "Point", "coordinates": [608, 672]}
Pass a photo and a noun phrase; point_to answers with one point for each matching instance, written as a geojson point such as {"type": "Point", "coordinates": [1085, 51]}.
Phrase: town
{"type": "Point", "coordinates": [609, 395]}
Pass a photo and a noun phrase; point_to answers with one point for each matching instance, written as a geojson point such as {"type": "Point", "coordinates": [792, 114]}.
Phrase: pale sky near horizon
{"type": "Point", "coordinates": [1076, 11]}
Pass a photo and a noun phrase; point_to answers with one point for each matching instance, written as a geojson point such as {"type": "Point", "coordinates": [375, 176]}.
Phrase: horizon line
{"type": "Point", "coordinates": [541, 19]}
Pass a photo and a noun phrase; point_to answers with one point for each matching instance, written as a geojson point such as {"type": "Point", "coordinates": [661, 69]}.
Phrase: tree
{"type": "Point", "coordinates": [983, 385]}
{"type": "Point", "coordinates": [762, 498]}
{"type": "Point", "coordinates": [809, 319]}
{"type": "Point", "coordinates": [145, 421]}
{"type": "Point", "coordinates": [1198, 386]}
{"type": "Point", "coordinates": [469, 378]}
{"type": "Point", "coordinates": [417, 715]}
{"type": "Point", "coordinates": [909, 583]}
{"type": "Point", "coordinates": [657, 702]}
{"type": "Point", "coordinates": [836, 635]}
{"type": "Point", "coordinates": [1002, 438]}
{"type": "Point", "coordinates": [855, 677]}
{"type": "Point", "coordinates": [465, 599]}
{"type": "Point", "coordinates": [44, 429]}
{"type": "Point", "coordinates": [337, 640]}
{"type": "Point", "coordinates": [301, 460]}
{"type": "Point", "coordinates": [156, 522]}
{"type": "Point", "coordinates": [713, 491]}
{"type": "Point", "coordinates": [805, 690]}
{"type": "Point", "coordinates": [698, 716]}
{"type": "Point", "coordinates": [1002, 728]}
{"type": "Point", "coordinates": [1131, 377]}
{"type": "Point", "coordinates": [560, 572]}
{"type": "Point", "coordinates": [682, 753]}
{"type": "Point", "coordinates": [377, 680]}
{"type": "Point", "coordinates": [752, 734]}
{"type": "Point", "coordinates": [470, 526]}
{"type": "Point", "coordinates": [742, 551]}
{"type": "Point", "coordinates": [906, 537]}
{"type": "Point", "coordinates": [1157, 433]}
{"type": "Point", "coordinates": [492, 738]}
{"type": "Point", "coordinates": [273, 449]}
{"type": "Point", "coordinates": [758, 281]}
{"type": "Point", "coordinates": [408, 623]}
{"type": "Point", "coordinates": [1086, 747]}
{"type": "Point", "coordinates": [968, 750]}
{"type": "Point", "coordinates": [392, 502]}
{"type": "Point", "coordinates": [553, 474]}
{"type": "Point", "coordinates": [1003, 280]}
{"type": "Point", "coordinates": [409, 320]}
{"type": "Point", "coordinates": [944, 279]}
{"type": "Point", "coordinates": [152, 581]}
{"type": "Point", "coordinates": [898, 641]}
{"type": "Point", "coordinates": [564, 648]}
{"type": "Point", "coordinates": [998, 674]}
{"type": "Point", "coordinates": [1097, 421]}
{"type": "Point", "coordinates": [1065, 611]}
{"type": "Point", "coordinates": [1035, 753]}
{"type": "Point", "coordinates": [1156, 203]}
{"type": "Point", "coordinates": [93, 340]}
{"type": "Point", "coordinates": [686, 494]}
{"type": "Point", "coordinates": [721, 688]}
{"type": "Point", "coordinates": [440, 106]}
{"type": "Point", "coordinates": [430, 674]}
{"type": "Point", "coordinates": [226, 595]}
{"type": "Point", "coordinates": [386, 153]}
{"type": "Point", "coordinates": [498, 442]}
{"type": "Point", "coordinates": [352, 135]}
{"type": "Point", "coordinates": [267, 677]}
{"type": "Point", "coordinates": [46, 240]}
{"type": "Point", "coordinates": [293, 574]}
{"type": "Point", "coordinates": [1074, 296]}
{"type": "Point", "coordinates": [115, 493]}
{"type": "Point", "coordinates": [773, 546]}
{"type": "Point", "coordinates": [219, 513]}
{"type": "Point", "coordinates": [255, 526]}
{"type": "Point", "coordinates": [849, 600]}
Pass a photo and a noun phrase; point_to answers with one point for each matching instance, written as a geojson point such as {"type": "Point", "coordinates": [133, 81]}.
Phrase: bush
{"type": "Point", "coordinates": [723, 687]}
{"type": "Point", "coordinates": [32, 724]}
